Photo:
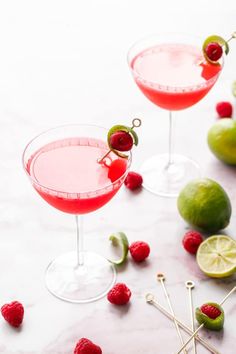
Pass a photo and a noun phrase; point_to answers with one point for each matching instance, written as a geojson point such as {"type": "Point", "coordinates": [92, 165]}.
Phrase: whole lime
{"type": "Point", "coordinates": [222, 140]}
{"type": "Point", "coordinates": [204, 204]}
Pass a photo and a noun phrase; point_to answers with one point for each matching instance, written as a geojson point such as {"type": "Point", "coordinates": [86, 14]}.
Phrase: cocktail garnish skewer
{"type": "Point", "coordinates": [161, 279]}
{"type": "Point", "coordinates": [121, 138]}
{"type": "Point", "coordinates": [150, 299]}
{"type": "Point", "coordinates": [190, 286]}
{"type": "Point", "coordinates": [200, 327]}
{"type": "Point", "coordinates": [233, 35]}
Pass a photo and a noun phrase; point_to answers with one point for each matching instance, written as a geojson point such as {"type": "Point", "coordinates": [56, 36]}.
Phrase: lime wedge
{"type": "Point", "coordinates": [216, 256]}
{"type": "Point", "coordinates": [120, 238]}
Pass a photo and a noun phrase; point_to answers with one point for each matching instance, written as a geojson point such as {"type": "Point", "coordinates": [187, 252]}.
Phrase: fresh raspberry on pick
{"type": "Point", "coordinates": [214, 51]}
{"type": "Point", "coordinates": [191, 241]}
{"type": "Point", "coordinates": [121, 141]}
{"type": "Point", "coordinates": [13, 313]}
{"type": "Point", "coordinates": [85, 346]}
{"type": "Point", "coordinates": [224, 109]}
{"type": "Point", "coordinates": [119, 294]}
{"type": "Point", "coordinates": [139, 251]}
{"type": "Point", "coordinates": [210, 311]}
{"type": "Point", "coordinates": [133, 180]}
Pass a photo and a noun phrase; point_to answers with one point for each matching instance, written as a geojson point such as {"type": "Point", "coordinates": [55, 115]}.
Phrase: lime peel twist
{"type": "Point", "coordinates": [213, 324]}
{"type": "Point", "coordinates": [120, 239]}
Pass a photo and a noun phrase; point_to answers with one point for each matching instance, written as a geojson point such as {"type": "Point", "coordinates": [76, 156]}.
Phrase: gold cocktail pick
{"type": "Point", "coordinates": [233, 36]}
{"type": "Point", "coordinates": [198, 329]}
{"type": "Point", "coordinates": [190, 286]}
{"type": "Point", "coordinates": [161, 279]}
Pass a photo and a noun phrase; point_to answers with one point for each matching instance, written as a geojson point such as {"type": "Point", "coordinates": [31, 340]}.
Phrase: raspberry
{"type": "Point", "coordinates": [13, 313]}
{"type": "Point", "coordinates": [85, 346]}
{"type": "Point", "coordinates": [116, 169]}
{"type": "Point", "coordinates": [191, 241]}
{"type": "Point", "coordinates": [133, 180]}
{"type": "Point", "coordinates": [224, 109]}
{"type": "Point", "coordinates": [214, 51]}
{"type": "Point", "coordinates": [121, 141]}
{"type": "Point", "coordinates": [119, 294]}
{"type": "Point", "coordinates": [139, 251]}
{"type": "Point", "coordinates": [210, 311]}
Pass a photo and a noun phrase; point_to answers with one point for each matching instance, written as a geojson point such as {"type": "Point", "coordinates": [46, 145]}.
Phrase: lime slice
{"type": "Point", "coordinates": [211, 39]}
{"type": "Point", "coordinates": [120, 238]}
{"type": "Point", "coordinates": [216, 256]}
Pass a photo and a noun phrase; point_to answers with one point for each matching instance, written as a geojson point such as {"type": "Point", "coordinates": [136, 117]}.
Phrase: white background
{"type": "Point", "coordinates": [64, 62]}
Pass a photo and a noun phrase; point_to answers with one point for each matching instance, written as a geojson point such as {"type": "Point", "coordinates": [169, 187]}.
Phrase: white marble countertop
{"type": "Point", "coordinates": [65, 62]}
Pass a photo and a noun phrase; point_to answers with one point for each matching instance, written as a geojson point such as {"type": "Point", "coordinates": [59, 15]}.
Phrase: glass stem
{"type": "Point", "coordinates": [170, 161]}
{"type": "Point", "coordinates": [79, 240]}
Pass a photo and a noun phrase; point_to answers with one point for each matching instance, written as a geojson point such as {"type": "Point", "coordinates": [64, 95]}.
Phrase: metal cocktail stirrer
{"type": "Point", "coordinates": [161, 279]}
{"type": "Point", "coordinates": [190, 286]}
{"type": "Point", "coordinates": [150, 299]}
{"type": "Point", "coordinates": [198, 329]}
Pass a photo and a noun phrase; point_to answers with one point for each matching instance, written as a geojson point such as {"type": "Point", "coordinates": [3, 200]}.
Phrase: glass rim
{"type": "Point", "coordinates": [167, 88]}
{"type": "Point", "coordinates": [34, 181]}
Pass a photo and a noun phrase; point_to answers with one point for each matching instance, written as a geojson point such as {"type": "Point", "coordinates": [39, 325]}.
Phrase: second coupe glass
{"type": "Point", "coordinates": [171, 72]}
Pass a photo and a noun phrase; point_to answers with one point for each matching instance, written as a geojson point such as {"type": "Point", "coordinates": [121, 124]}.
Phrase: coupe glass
{"type": "Point", "coordinates": [63, 167]}
{"type": "Point", "coordinates": [171, 72]}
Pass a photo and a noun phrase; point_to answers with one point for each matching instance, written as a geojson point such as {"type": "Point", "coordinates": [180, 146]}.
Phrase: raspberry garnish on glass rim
{"type": "Point", "coordinates": [214, 46]}
{"type": "Point", "coordinates": [121, 138]}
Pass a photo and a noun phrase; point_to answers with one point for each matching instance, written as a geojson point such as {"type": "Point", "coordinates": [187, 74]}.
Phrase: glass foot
{"type": "Point", "coordinates": [85, 283]}
{"type": "Point", "coordinates": [168, 180]}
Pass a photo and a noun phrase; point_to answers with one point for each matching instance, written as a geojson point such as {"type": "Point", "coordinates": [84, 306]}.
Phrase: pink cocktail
{"type": "Point", "coordinates": [63, 166]}
{"type": "Point", "coordinates": [70, 165]}
{"type": "Point", "coordinates": [172, 73]}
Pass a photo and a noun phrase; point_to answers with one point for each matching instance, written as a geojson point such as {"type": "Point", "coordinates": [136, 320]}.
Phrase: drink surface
{"type": "Point", "coordinates": [66, 173]}
{"type": "Point", "coordinates": [174, 76]}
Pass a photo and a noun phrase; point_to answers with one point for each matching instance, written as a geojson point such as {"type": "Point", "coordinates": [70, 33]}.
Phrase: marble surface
{"type": "Point", "coordinates": [65, 62]}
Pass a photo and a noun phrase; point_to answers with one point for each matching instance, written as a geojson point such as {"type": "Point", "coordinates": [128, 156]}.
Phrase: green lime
{"type": "Point", "coordinates": [216, 256]}
{"type": "Point", "coordinates": [215, 324]}
{"type": "Point", "coordinates": [222, 140]}
{"type": "Point", "coordinates": [120, 238]}
{"type": "Point", "coordinates": [204, 204]}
